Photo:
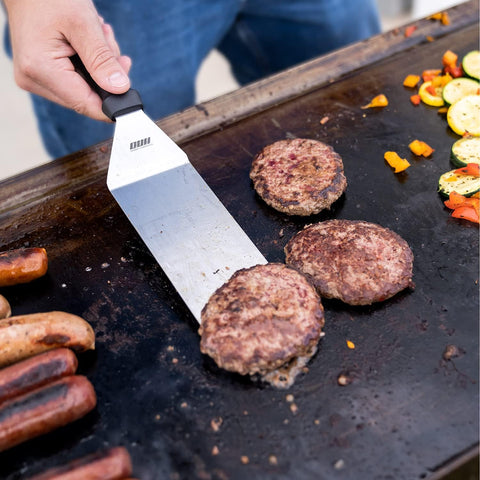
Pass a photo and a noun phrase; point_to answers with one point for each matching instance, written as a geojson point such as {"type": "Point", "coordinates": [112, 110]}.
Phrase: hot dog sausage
{"type": "Point", "coordinates": [36, 371]}
{"type": "Point", "coordinates": [111, 464]}
{"type": "Point", "coordinates": [25, 335]}
{"type": "Point", "coordinates": [5, 310]}
{"type": "Point", "coordinates": [22, 265]}
{"type": "Point", "coordinates": [45, 409]}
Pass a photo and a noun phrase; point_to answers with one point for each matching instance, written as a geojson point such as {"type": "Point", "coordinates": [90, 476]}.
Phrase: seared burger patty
{"type": "Point", "coordinates": [355, 261]}
{"type": "Point", "coordinates": [260, 319]}
{"type": "Point", "coordinates": [298, 177]}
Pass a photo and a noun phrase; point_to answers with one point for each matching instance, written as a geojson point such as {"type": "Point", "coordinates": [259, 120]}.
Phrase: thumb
{"type": "Point", "coordinates": [102, 63]}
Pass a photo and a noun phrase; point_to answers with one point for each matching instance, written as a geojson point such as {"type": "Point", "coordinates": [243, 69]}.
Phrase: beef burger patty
{"type": "Point", "coordinates": [261, 319]}
{"type": "Point", "coordinates": [299, 176]}
{"type": "Point", "coordinates": [355, 261]}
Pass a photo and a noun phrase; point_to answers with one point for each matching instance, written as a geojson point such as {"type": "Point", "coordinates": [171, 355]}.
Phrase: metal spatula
{"type": "Point", "coordinates": [190, 233]}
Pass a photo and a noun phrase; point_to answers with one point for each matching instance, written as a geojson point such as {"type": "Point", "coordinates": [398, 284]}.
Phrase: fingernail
{"type": "Point", "coordinates": [118, 79]}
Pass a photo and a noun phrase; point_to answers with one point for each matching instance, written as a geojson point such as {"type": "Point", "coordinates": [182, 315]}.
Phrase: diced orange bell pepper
{"type": "Point", "coordinates": [411, 80]}
{"type": "Point", "coordinates": [467, 213]}
{"type": "Point", "coordinates": [435, 16]}
{"type": "Point", "coordinates": [441, 80]}
{"type": "Point", "coordinates": [415, 99]}
{"type": "Point", "coordinates": [378, 101]}
{"type": "Point", "coordinates": [445, 19]}
{"type": "Point", "coordinates": [421, 148]}
{"type": "Point", "coordinates": [470, 169]}
{"type": "Point", "coordinates": [397, 163]}
{"type": "Point", "coordinates": [429, 75]}
{"type": "Point", "coordinates": [449, 59]}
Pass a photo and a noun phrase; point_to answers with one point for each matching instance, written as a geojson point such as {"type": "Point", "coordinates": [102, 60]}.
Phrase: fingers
{"type": "Point", "coordinates": [42, 45]}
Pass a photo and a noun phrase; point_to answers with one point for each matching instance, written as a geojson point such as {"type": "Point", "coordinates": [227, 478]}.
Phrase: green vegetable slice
{"type": "Point", "coordinates": [465, 185]}
{"type": "Point", "coordinates": [471, 64]}
{"type": "Point", "coordinates": [462, 116]}
{"type": "Point", "coordinates": [466, 150]}
{"type": "Point", "coordinates": [458, 88]}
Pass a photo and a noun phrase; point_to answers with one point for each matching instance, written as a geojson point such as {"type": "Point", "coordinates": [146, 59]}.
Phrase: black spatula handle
{"type": "Point", "coordinates": [113, 105]}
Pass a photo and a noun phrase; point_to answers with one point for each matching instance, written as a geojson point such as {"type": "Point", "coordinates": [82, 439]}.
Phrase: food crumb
{"type": "Point", "coordinates": [452, 351]}
{"type": "Point", "coordinates": [158, 416]}
{"type": "Point", "coordinates": [215, 450]}
{"type": "Point", "coordinates": [174, 360]}
{"type": "Point", "coordinates": [272, 460]}
{"type": "Point", "coordinates": [184, 405]}
{"type": "Point", "coordinates": [289, 398]}
{"type": "Point", "coordinates": [170, 348]}
{"type": "Point", "coordinates": [344, 379]}
{"type": "Point", "coordinates": [104, 265]}
{"type": "Point", "coordinates": [316, 421]}
{"type": "Point", "coordinates": [294, 408]}
{"type": "Point", "coordinates": [244, 459]}
{"type": "Point", "coordinates": [216, 423]}
{"type": "Point", "coordinates": [339, 464]}
{"type": "Point", "coordinates": [350, 344]}
{"type": "Point", "coordinates": [245, 412]}
{"type": "Point", "coordinates": [324, 120]}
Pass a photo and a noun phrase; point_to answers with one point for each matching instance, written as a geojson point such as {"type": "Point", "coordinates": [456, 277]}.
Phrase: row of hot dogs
{"type": "Point", "coordinates": [40, 390]}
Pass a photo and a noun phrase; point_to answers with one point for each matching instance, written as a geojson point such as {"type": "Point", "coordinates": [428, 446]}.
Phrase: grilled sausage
{"type": "Point", "coordinates": [23, 336]}
{"type": "Point", "coordinates": [111, 464]}
{"type": "Point", "coordinates": [5, 310]}
{"type": "Point", "coordinates": [22, 265]}
{"type": "Point", "coordinates": [45, 409]}
{"type": "Point", "coordinates": [36, 371]}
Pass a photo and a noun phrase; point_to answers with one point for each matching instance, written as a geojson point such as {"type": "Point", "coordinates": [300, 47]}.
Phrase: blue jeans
{"type": "Point", "coordinates": [168, 39]}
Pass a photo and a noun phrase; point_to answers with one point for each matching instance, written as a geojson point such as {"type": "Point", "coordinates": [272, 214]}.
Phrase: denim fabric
{"type": "Point", "coordinates": [167, 41]}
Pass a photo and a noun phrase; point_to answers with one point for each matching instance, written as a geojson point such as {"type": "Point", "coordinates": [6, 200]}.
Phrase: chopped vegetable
{"type": "Point", "coordinates": [350, 344]}
{"type": "Point", "coordinates": [466, 150]}
{"type": "Point", "coordinates": [397, 163]}
{"type": "Point", "coordinates": [471, 64]}
{"type": "Point", "coordinates": [378, 101]}
{"type": "Point", "coordinates": [428, 75]}
{"type": "Point", "coordinates": [449, 59]}
{"type": "Point", "coordinates": [421, 148]}
{"type": "Point", "coordinates": [467, 208]}
{"type": "Point", "coordinates": [463, 116]}
{"type": "Point", "coordinates": [458, 88]}
{"type": "Point", "coordinates": [470, 169]}
{"type": "Point", "coordinates": [415, 99]}
{"type": "Point", "coordinates": [409, 30]}
{"type": "Point", "coordinates": [463, 184]}
{"type": "Point", "coordinates": [411, 80]}
{"type": "Point", "coordinates": [442, 17]}
{"type": "Point", "coordinates": [430, 95]}
{"type": "Point", "coordinates": [466, 213]}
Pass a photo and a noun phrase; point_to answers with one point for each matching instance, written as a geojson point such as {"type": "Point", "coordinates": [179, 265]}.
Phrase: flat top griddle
{"type": "Point", "coordinates": [408, 413]}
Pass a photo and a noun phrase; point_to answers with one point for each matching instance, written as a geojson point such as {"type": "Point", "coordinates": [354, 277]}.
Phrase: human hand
{"type": "Point", "coordinates": [46, 33]}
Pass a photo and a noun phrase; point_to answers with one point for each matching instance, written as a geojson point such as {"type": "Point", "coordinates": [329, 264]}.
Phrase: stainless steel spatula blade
{"type": "Point", "coordinates": [187, 229]}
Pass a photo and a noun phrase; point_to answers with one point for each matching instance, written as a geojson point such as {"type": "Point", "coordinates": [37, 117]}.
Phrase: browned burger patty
{"type": "Point", "coordinates": [261, 319]}
{"type": "Point", "coordinates": [299, 176]}
{"type": "Point", "coordinates": [355, 261]}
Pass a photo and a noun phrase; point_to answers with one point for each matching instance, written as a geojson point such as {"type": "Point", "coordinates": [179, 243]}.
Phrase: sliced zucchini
{"type": "Point", "coordinates": [471, 64]}
{"type": "Point", "coordinates": [463, 116]}
{"type": "Point", "coordinates": [458, 88]}
{"type": "Point", "coordinates": [465, 185]}
{"type": "Point", "coordinates": [466, 150]}
{"type": "Point", "coordinates": [433, 100]}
